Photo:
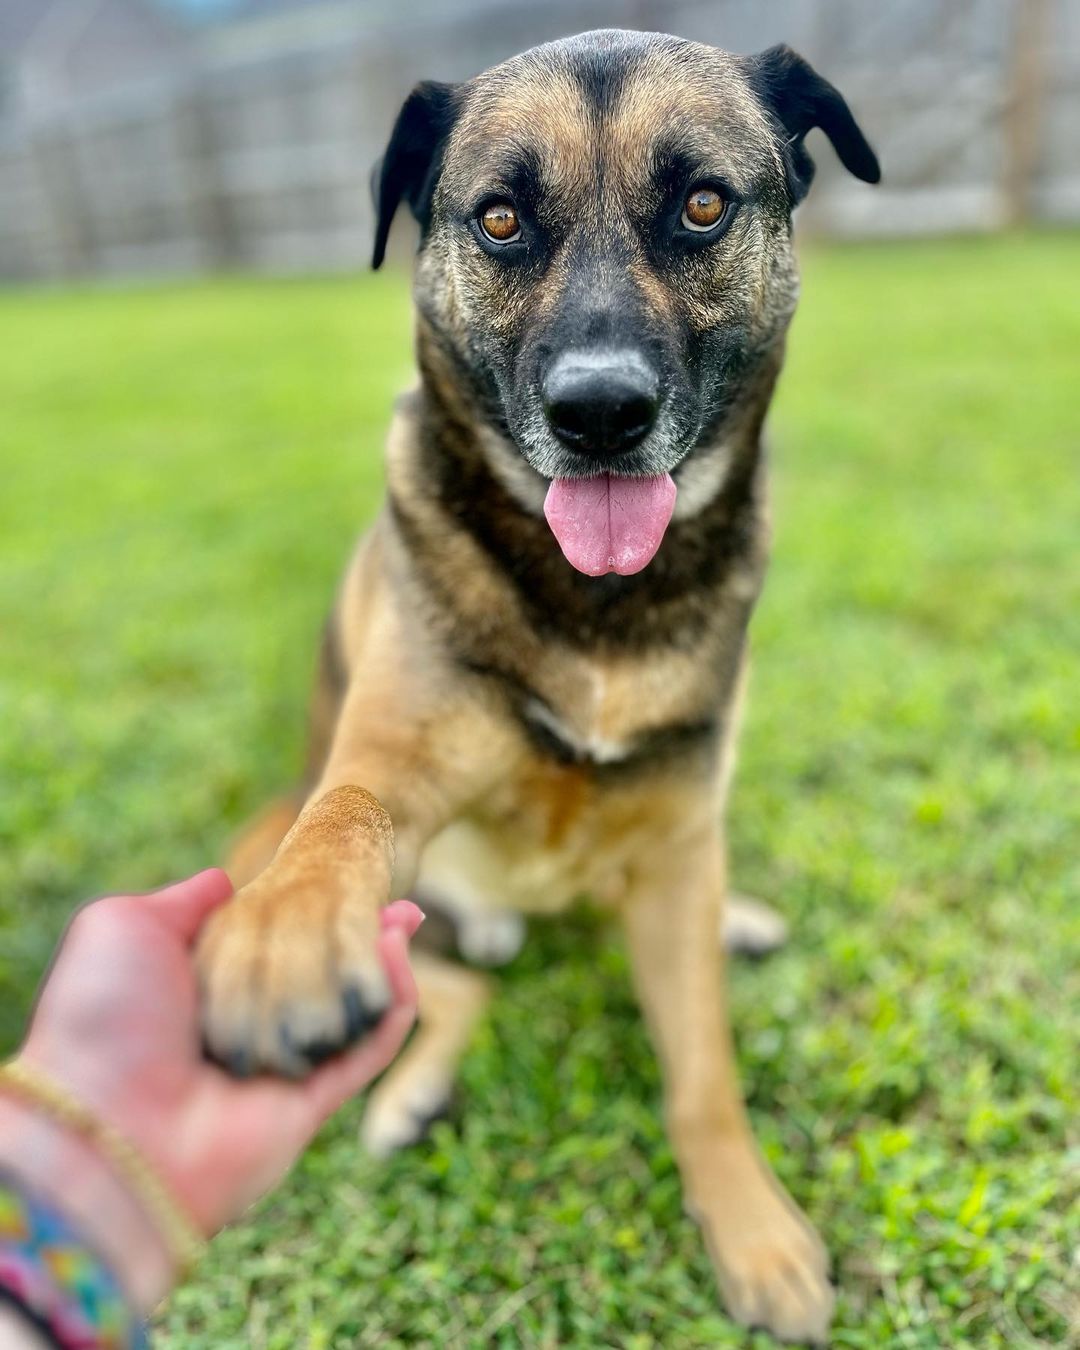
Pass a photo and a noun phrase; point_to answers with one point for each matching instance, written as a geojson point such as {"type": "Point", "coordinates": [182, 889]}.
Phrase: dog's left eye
{"type": "Point", "coordinates": [703, 210]}
{"type": "Point", "coordinates": [500, 223]}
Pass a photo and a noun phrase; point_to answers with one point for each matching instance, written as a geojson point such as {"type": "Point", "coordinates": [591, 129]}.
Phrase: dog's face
{"type": "Point", "coordinates": [605, 255]}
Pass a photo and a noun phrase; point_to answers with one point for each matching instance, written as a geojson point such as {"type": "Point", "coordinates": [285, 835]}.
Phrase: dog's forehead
{"type": "Point", "coordinates": [608, 98]}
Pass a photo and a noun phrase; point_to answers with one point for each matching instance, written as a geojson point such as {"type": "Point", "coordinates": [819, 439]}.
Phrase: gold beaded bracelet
{"type": "Point", "coordinates": [182, 1237]}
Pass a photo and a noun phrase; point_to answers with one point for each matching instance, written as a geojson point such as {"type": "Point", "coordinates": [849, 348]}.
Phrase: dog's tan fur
{"type": "Point", "coordinates": [442, 667]}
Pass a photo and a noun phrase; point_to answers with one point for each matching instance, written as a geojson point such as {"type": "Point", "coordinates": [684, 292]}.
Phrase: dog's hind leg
{"type": "Point", "coordinates": [416, 1089]}
{"type": "Point", "coordinates": [751, 926]}
{"type": "Point", "coordinates": [747, 926]}
{"type": "Point", "coordinates": [462, 878]}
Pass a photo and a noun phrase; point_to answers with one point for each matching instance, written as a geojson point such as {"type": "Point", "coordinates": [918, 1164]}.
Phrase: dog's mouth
{"type": "Point", "coordinates": [610, 523]}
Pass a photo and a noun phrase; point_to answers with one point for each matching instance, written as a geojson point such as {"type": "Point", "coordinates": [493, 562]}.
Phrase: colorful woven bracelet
{"type": "Point", "coordinates": [48, 1272]}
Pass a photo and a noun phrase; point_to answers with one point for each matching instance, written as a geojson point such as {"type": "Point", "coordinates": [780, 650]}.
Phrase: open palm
{"type": "Point", "coordinates": [116, 1023]}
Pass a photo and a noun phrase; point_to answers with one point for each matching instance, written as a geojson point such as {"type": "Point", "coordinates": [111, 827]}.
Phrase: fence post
{"type": "Point", "coordinates": [214, 221]}
{"type": "Point", "coordinates": [1022, 114]}
{"type": "Point", "coordinates": [54, 162]}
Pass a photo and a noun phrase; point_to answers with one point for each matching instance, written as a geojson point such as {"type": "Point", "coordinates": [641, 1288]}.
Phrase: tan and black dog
{"type": "Point", "coordinates": [531, 680]}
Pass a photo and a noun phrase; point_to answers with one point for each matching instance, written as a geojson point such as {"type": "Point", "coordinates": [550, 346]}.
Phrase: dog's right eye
{"type": "Point", "coordinates": [703, 210]}
{"type": "Point", "coordinates": [500, 223]}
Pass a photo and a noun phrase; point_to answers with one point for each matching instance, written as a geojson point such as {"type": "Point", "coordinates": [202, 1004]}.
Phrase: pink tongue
{"type": "Point", "coordinates": [607, 524]}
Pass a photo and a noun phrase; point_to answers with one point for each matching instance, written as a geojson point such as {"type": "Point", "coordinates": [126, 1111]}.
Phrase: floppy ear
{"type": "Point", "coordinates": [799, 98]}
{"type": "Point", "coordinates": [410, 165]}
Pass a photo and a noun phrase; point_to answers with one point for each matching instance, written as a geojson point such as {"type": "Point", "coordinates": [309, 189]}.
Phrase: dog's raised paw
{"type": "Point", "coordinates": [283, 989]}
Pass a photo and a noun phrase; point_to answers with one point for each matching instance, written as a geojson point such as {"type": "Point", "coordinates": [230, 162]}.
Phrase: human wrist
{"type": "Point", "coordinates": [56, 1162]}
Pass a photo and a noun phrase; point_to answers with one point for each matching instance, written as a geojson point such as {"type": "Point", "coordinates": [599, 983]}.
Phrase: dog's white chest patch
{"type": "Point", "coordinates": [580, 747]}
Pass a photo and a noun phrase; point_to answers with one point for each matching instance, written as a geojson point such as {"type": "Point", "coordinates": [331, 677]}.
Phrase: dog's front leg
{"type": "Point", "coordinates": [289, 969]}
{"type": "Point", "coordinates": [770, 1264]}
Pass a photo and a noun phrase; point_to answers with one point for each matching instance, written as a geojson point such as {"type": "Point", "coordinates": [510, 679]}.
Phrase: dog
{"type": "Point", "coordinates": [530, 684]}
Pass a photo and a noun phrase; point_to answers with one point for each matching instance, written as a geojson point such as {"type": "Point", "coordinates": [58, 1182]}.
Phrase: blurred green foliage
{"type": "Point", "coordinates": [184, 470]}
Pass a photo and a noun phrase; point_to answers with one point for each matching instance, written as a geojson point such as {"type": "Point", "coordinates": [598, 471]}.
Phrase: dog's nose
{"type": "Point", "coordinates": [600, 404]}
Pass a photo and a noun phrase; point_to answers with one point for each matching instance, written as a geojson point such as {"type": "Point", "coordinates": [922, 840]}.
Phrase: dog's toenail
{"type": "Point", "coordinates": [358, 1017]}
{"type": "Point", "coordinates": [239, 1063]}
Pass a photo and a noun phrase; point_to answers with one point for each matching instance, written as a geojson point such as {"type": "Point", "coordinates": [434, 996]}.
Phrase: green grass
{"type": "Point", "coordinates": [183, 470]}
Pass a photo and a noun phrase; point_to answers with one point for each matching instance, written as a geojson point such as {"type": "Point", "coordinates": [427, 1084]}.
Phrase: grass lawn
{"type": "Point", "coordinates": [183, 470]}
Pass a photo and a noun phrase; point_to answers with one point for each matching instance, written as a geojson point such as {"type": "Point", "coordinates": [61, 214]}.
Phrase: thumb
{"type": "Point", "coordinates": [184, 905]}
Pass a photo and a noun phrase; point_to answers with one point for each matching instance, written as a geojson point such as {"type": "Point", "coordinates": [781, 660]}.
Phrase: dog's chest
{"type": "Point", "coordinates": [605, 714]}
{"type": "Point", "coordinates": [552, 833]}
{"type": "Point", "coordinates": [593, 726]}
{"type": "Point", "coordinates": [614, 759]}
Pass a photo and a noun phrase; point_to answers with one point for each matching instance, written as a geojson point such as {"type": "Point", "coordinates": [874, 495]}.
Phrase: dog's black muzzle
{"type": "Point", "coordinates": [600, 402]}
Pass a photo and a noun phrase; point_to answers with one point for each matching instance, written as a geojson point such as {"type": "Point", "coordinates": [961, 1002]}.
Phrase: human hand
{"type": "Point", "coordinates": [116, 1023]}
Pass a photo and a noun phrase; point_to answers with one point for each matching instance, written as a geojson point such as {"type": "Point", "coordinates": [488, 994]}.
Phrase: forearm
{"type": "Point", "coordinates": [56, 1163]}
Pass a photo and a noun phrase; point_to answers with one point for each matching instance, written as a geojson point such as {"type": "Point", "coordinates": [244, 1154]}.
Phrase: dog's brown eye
{"type": "Point", "coordinates": [500, 223]}
{"type": "Point", "coordinates": [704, 209]}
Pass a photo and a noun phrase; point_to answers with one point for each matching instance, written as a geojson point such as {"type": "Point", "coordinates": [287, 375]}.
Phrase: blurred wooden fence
{"type": "Point", "coordinates": [263, 163]}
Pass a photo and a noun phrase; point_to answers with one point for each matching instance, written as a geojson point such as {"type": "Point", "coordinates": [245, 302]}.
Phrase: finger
{"type": "Point", "coordinates": [330, 1087]}
{"type": "Point", "coordinates": [393, 948]}
{"type": "Point", "coordinates": [184, 905]}
{"type": "Point", "coordinates": [403, 914]}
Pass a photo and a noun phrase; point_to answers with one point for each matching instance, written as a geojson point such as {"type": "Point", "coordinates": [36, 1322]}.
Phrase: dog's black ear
{"type": "Point", "coordinates": [799, 98]}
{"type": "Point", "coordinates": [410, 166]}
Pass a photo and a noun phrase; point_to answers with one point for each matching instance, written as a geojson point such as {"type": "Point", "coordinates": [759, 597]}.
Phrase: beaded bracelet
{"type": "Point", "coordinates": [49, 1274]}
